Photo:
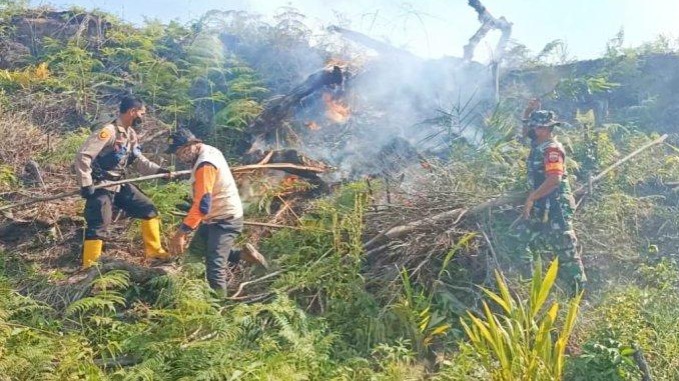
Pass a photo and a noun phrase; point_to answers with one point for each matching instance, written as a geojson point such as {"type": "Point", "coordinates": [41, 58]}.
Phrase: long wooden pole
{"type": "Point", "coordinates": [618, 163]}
{"type": "Point", "coordinates": [77, 192]}
{"type": "Point", "coordinates": [244, 168]}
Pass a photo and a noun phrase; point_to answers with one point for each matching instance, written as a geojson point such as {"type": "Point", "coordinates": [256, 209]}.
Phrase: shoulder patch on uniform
{"type": "Point", "coordinates": [553, 157]}
{"type": "Point", "coordinates": [104, 134]}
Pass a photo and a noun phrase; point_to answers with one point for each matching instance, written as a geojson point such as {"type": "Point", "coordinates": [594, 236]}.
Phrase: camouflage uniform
{"type": "Point", "coordinates": [550, 228]}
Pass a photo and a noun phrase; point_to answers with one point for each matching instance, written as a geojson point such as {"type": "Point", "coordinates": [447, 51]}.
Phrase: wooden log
{"type": "Point", "coordinates": [117, 362]}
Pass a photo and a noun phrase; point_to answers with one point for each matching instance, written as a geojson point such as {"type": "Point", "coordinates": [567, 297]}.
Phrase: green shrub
{"type": "Point", "coordinates": [522, 342]}
{"type": "Point", "coordinates": [65, 149]}
{"type": "Point", "coordinates": [604, 360]}
{"type": "Point", "coordinates": [647, 315]}
{"type": "Point", "coordinates": [7, 177]}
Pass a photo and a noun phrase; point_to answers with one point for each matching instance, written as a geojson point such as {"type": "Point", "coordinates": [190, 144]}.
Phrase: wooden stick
{"type": "Point", "coordinates": [118, 362]}
{"type": "Point", "coordinates": [76, 192]}
{"type": "Point", "coordinates": [242, 285]}
{"type": "Point", "coordinates": [401, 230]}
{"type": "Point", "coordinates": [266, 158]}
{"type": "Point", "coordinates": [282, 167]}
{"type": "Point", "coordinates": [598, 177]}
{"type": "Point", "coordinates": [269, 225]}
{"type": "Point", "coordinates": [641, 363]}
{"type": "Point", "coordinates": [243, 168]}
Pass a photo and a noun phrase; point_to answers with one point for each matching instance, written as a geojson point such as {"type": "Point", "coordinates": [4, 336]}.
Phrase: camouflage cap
{"type": "Point", "coordinates": [542, 118]}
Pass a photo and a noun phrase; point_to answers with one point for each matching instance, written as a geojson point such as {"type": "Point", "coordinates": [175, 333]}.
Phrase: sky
{"type": "Point", "coordinates": [436, 28]}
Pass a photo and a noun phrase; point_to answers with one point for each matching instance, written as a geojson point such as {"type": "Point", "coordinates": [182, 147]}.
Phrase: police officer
{"type": "Point", "coordinates": [105, 157]}
{"type": "Point", "coordinates": [550, 204]}
{"type": "Point", "coordinates": [216, 213]}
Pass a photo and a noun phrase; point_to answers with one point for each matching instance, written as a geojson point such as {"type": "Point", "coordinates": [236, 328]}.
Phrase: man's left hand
{"type": "Point", "coordinates": [169, 174]}
{"type": "Point", "coordinates": [178, 243]}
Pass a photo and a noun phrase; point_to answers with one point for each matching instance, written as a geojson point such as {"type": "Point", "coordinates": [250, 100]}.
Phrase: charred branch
{"type": "Point", "coordinates": [288, 156]}
{"type": "Point", "coordinates": [280, 109]}
{"type": "Point", "coordinates": [488, 23]}
{"type": "Point", "coordinates": [307, 168]}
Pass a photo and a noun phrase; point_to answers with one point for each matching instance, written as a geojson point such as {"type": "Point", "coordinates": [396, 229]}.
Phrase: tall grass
{"type": "Point", "coordinates": [523, 341]}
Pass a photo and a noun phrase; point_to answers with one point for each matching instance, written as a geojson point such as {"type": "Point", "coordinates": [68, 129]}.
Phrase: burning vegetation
{"type": "Point", "coordinates": [336, 111]}
{"type": "Point", "coordinates": [385, 189]}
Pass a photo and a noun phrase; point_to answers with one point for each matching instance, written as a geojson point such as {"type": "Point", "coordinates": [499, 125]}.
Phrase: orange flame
{"type": "Point", "coordinates": [289, 185]}
{"type": "Point", "coordinates": [313, 126]}
{"type": "Point", "coordinates": [335, 110]}
{"type": "Point", "coordinates": [289, 181]}
{"type": "Point", "coordinates": [335, 62]}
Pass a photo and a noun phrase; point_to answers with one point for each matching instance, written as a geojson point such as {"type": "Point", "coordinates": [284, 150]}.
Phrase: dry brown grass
{"type": "Point", "coordinates": [20, 139]}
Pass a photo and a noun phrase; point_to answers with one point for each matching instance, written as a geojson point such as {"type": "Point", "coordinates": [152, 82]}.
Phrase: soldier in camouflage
{"type": "Point", "coordinates": [549, 207]}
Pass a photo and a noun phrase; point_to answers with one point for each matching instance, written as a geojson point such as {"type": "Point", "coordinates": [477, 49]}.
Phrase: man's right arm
{"type": "Point", "coordinates": [206, 176]}
{"type": "Point", "coordinates": [533, 105]}
{"type": "Point", "coordinates": [89, 151]}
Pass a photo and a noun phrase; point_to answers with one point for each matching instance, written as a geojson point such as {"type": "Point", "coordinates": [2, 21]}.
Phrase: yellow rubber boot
{"type": "Point", "coordinates": [150, 233]}
{"type": "Point", "coordinates": [91, 252]}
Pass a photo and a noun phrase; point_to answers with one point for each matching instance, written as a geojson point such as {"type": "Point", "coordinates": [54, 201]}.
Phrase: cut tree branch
{"type": "Point", "coordinates": [488, 22]}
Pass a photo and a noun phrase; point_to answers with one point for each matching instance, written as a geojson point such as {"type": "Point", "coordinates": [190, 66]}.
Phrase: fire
{"type": "Point", "coordinates": [291, 184]}
{"type": "Point", "coordinates": [313, 126]}
{"type": "Point", "coordinates": [335, 110]}
{"type": "Point", "coordinates": [336, 62]}
{"type": "Point", "coordinates": [289, 181]}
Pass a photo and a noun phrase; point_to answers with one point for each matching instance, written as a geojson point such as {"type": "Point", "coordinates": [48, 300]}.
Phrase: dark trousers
{"type": "Point", "coordinates": [99, 208]}
{"type": "Point", "coordinates": [215, 241]}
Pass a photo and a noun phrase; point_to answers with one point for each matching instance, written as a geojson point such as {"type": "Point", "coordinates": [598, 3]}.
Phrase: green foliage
{"type": "Point", "coordinates": [424, 314]}
{"type": "Point", "coordinates": [77, 69]}
{"type": "Point", "coordinates": [465, 364]}
{"type": "Point", "coordinates": [323, 317]}
{"type": "Point", "coordinates": [65, 148]}
{"type": "Point", "coordinates": [7, 177]}
{"type": "Point", "coordinates": [166, 196]}
{"type": "Point", "coordinates": [646, 315]}
{"type": "Point", "coordinates": [517, 343]}
{"type": "Point", "coordinates": [30, 78]}
{"type": "Point", "coordinates": [580, 88]}
{"type": "Point", "coordinates": [603, 361]}
{"type": "Point", "coordinates": [106, 298]}
{"type": "Point", "coordinates": [32, 346]}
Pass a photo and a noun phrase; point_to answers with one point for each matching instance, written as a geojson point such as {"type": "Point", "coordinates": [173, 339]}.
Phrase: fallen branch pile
{"type": "Point", "coordinates": [411, 241]}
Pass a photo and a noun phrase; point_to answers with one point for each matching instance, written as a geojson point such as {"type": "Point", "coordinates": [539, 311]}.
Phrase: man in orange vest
{"type": "Point", "coordinates": [216, 213]}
